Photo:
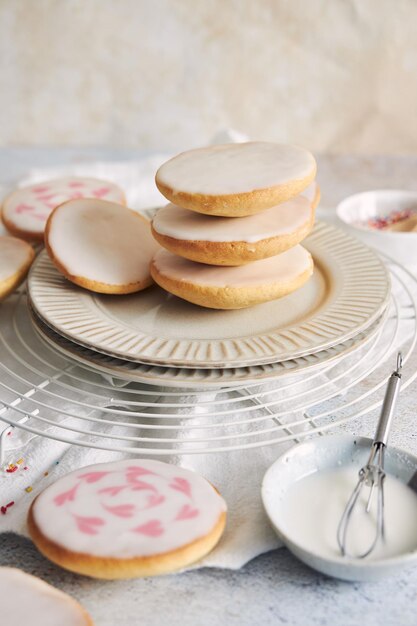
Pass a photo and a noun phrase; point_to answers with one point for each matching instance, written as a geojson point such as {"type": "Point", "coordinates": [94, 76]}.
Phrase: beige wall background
{"type": "Point", "coordinates": [334, 75]}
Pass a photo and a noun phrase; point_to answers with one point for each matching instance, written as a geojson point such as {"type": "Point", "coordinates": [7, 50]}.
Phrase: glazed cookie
{"type": "Point", "coordinates": [313, 194]}
{"type": "Point", "coordinates": [232, 287]}
{"type": "Point", "coordinates": [16, 257]}
{"type": "Point", "coordinates": [235, 180]}
{"type": "Point", "coordinates": [101, 246]}
{"type": "Point", "coordinates": [27, 600]}
{"type": "Point", "coordinates": [127, 519]}
{"type": "Point", "coordinates": [227, 241]}
{"type": "Point", "coordinates": [25, 211]}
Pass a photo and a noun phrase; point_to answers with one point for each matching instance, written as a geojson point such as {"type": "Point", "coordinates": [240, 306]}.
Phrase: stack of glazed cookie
{"type": "Point", "coordinates": [236, 217]}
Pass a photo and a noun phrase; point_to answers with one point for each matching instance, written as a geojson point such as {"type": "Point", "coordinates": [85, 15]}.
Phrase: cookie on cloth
{"type": "Point", "coordinates": [28, 600]}
{"type": "Point", "coordinates": [127, 519]}
{"type": "Point", "coordinates": [16, 257]}
{"type": "Point", "coordinates": [235, 180]}
{"type": "Point", "coordinates": [234, 241]}
{"type": "Point", "coordinates": [25, 211]}
{"type": "Point", "coordinates": [235, 287]}
{"type": "Point", "coordinates": [101, 246]}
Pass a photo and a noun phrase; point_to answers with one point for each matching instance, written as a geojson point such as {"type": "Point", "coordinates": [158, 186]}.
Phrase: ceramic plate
{"type": "Point", "coordinates": [203, 378]}
{"type": "Point", "coordinates": [348, 291]}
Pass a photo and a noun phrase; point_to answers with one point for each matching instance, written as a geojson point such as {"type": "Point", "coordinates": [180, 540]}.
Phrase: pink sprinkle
{"type": "Point", "coordinates": [75, 184]}
{"type": "Point", "coordinates": [3, 510]}
{"type": "Point", "coordinates": [9, 505]}
{"type": "Point", "coordinates": [26, 468]}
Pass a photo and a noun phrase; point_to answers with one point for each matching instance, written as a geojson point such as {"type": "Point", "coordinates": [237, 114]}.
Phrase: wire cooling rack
{"type": "Point", "coordinates": [49, 395]}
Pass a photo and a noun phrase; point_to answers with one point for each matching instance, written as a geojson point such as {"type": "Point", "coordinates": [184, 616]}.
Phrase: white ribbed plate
{"type": "Point", "coordinates": [204, 378]}
{"type": "Point", "coordinates": [347, 293]}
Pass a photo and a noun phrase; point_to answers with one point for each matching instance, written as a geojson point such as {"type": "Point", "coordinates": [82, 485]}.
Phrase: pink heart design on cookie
{"type": "Point", "coordinates": [121, 510]}
{"type": "Point", "coordinates": [181, 484]}
{"type": "Point", "coordinates": [152, 528]}
{"type": "Point", "coordinates": [66, 496]}
{"type": "Point", "coordinates": [93, 477]}
{"type": "Point", "coordinates": [99, 193]}
{"type": "Point", "coordinates": [75, 184]}
{"type": "Point", "coordinates": [88, 525]}
{"type": "Point", "coordinates": [140, 485]}
{"type": "Point", "coordinates": [112, 491]}
{"type": "Point", "coordinates": [187, 512]}
{"type": "Point", "coordinates": [154, 499]}
{"type": "Point", "coordinates": [138, 471]}
{"type": "Point", "coordinates": [24, 208]}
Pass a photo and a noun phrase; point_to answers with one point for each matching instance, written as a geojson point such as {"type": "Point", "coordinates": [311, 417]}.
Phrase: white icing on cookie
{"type": "Point", "coordinates": [27, 209]}
{"type": "Point", "coordinates": [283, 219]}
{"type": "Point", "coordinates": [310, 192]}
{"type": "Point", "coordinates": [282, 268]}
{"type": "Point", "coordinates": [236, 168]}
{"type": "Point", "coordinates": [14, 255]}
{"type": "Point", "coordinates": [101, 241]}
{"type": "Point", "coordinates": [28, 601]}
{"type": "Point", "coordinates": [128, 509]}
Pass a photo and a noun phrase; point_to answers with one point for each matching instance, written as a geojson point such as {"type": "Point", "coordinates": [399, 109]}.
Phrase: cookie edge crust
{"type": "Point", "coordinates": [82, 281]}
{"type": "Point", "coordinates": [229, 297]}
{"type": "Point", "coordinates": [237, 204]}
{"type": "Point", "coordinates": [8, 285]}
{"type": "Point", "coordinates": [232, 253]}
{"type": "Point", "coordinates": [137, 567]}
{"type": "Point", "coordinates": [29, 235]}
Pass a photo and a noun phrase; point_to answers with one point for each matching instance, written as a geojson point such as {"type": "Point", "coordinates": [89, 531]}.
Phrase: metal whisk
{"type": "Point", "coordinates": [372, 475]}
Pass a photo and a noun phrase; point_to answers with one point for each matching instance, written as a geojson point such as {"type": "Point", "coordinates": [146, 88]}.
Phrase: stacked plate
{"type": "Point", "coordinates": [156, 338]}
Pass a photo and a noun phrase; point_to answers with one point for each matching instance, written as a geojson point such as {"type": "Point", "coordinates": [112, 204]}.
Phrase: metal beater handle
{"type": "Point", "coordinates": [388, 406]}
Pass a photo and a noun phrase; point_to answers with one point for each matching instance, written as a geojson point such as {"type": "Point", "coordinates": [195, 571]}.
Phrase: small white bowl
{"type": "Point", "coordinates": [321, 453]}
{"type": "Point", "coordinates": [355, 211]}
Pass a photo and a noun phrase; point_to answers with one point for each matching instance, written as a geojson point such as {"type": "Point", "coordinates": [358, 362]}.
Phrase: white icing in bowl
{"type": "Point", "coordinates": [320, 455]}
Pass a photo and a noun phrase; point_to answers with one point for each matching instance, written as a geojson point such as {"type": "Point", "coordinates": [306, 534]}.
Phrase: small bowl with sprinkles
{"type": "Point", "coordinates": [384, 219]}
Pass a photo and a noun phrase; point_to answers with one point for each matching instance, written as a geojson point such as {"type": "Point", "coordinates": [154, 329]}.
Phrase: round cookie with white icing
{"type": "Point", "coordinates": [101, 246]}
{"type": "Point", "coordinates": [127, 519]}
{"type": "Point", "coordinates": [235, 287]}
{"type": "Point", "coordinates": [16, 257]}
{"type": "Point", "coordinates": [235, 180]}
{"type": "Point", "coordinates": [26, 599]}
{"type": "Point", "coordinates": [26, 210]}
{"type": "Point", "coordinates": [235, 241]}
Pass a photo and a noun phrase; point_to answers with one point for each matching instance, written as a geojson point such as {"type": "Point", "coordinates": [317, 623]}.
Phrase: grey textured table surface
{"type": "Point", "coordinates": [274, 588]}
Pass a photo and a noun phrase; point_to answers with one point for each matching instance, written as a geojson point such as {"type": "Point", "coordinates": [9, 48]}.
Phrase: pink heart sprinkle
{"type": "Point", "coordinates": [121, 510]}
{"type": "Point", "coordinates": [66, 496]}
{"type": "Point", "coordinates": [181, 484]}
{"type": "Point", "coordinates": [187, 512]}
{"type": "Point", "coordinates": [93, 477]}
{"type": "Point", "coordinates": [152, 528]}
{"type": "Point", "coordinates": [89, 525]}
{"type": "Point", "coordinates": [41, 189]}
